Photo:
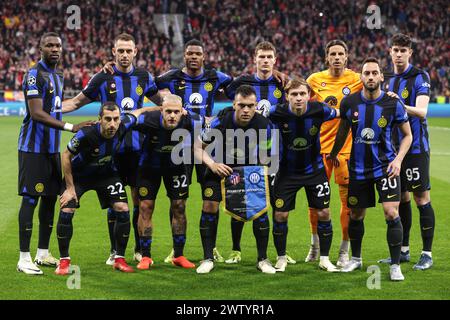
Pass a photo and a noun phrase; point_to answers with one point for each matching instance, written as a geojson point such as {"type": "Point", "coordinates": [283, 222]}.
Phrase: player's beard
{"type": "Point", "coordinates": [374, 88]}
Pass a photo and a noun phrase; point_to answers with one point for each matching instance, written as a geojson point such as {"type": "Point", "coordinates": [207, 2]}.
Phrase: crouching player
{"type": "Point", "coordinates": [88, 165]}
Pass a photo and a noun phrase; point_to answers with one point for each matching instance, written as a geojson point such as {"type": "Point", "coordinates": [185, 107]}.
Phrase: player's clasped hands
{"type": "Point", "coordinates": [221, 169]}
{"type": "Point", "coordinates": [68, 195]}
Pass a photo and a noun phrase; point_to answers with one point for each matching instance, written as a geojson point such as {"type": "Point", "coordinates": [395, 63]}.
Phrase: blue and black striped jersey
{"type": "Point", "coordinates": [42, 82]}
{"type": "Point", "coordinates": [408, 86]}
{"type": "Point", "coordinates": [372, 123]}
{"type": "Point", "coordinates": [94, 154]}
{"type": "Point", "coordinates": [300, 136]}
{"type": "Point", "coordinates": [127, 90]}
{"type": "Point", "coordinates": [269, 92]}
{"type": "Point", "coordinates": [197, 93]}
{"type": "Point", "coordinates": [158, 145]}
{"type": "Point", "coordinates": [240, 146]}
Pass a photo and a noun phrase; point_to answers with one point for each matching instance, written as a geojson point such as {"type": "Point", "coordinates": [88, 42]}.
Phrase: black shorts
{"type": "Point", "coordinates": [109, 190]}
{"type": "Point", "coordinates": [175, 181]}
{"type": "Point", "coordinates": [39, 174]}
{"type": "Point", "coordinates": [200, 170]}
{"type": "Point", "coordinates": [415, 173]}
{"type": "Point", "coordinates": [211, 187]}
{"type": "Point", "coordinates": [127, 164]}
{"type": "Point", "coordinates": [287, 185]}
{"type": "Point", "coordinates": [361, 193]}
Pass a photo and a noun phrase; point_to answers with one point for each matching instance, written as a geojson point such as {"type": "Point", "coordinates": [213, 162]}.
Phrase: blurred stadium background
{"type": "Point", "coordinates": [230, 30]}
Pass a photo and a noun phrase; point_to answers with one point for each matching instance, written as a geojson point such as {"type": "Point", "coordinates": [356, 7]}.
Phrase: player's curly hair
{"type": "Point", "coordinates": [401, 40]}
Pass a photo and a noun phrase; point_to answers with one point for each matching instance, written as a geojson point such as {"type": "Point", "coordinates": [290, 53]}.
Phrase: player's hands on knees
{"type": "Point", "coordinates": [222, 170]}
{"type": "Point", "coordinates": [108, 67]}
{"type": "Point", "coordinates": [393, 95]}
{"type": "Point", "coordinates": [68, 195]}
{"type": "Point", "coordinates": [77, 127]}
{"type": "Point", "coordinates": [334, 160]}
{"type": "Point", "coordinates": [393, 168]}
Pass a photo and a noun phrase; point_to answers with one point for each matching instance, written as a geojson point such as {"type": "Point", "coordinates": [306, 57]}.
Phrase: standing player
{"type": "Point", "coordinates": [88, 164]}
{"type": "Point", "coordinates": [243, 119]}
{"type": "Point", "coordinates": [269, 92]}
{"type": "Point", "coordinates": [372, 115]}
{"type": "Point", "coordinates": [331, 86]}
{"type": "Point", "coordinates": [156, 164]}
{"type": "Point", "coordinates": [197, 88]}
{"type": "Point", "coordinates": [412, 86]}
{"type": "Point", "coordinates": [127, 87]}
{"type": "Point", "coordinates": [301, 166]}
{"type": "Point", "coordinates": [39, 161]}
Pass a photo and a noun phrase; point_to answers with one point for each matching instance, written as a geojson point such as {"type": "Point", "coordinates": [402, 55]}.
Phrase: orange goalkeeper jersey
{"type": "Point", "coordinates": [332, 90]}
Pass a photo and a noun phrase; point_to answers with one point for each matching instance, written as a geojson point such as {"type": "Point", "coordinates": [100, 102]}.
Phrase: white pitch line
{"type": "Point", "coordinates": [440, 128]}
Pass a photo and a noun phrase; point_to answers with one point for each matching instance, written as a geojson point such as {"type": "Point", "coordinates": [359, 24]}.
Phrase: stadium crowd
{"type": "Point", "coordinates": [230, 29]}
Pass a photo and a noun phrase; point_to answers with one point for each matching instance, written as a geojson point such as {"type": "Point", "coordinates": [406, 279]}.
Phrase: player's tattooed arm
{"type": "Point", "coordinates": [75, 103]}
{"type": "Point", "coordinates": [393, 168]}
{"type": "Point", "coordinates": [69, 194]}
{"type": "Point", "coordinates": [341, 136]}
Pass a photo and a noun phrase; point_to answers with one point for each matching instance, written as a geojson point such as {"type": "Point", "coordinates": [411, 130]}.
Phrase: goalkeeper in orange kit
{"type": "Point", "coordinates": [331, 86]}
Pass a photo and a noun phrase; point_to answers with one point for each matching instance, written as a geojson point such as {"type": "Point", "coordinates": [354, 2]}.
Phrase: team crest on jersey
{"type": "Point", "coordinates": [208, 86]}
{"type": "Point", "coordinates": [313, 131]}
{"type": "Point", "coordinates": [279, 203]}
{"type": "Point", "coordinates": [39, 187]}
{"type": "Point", "coordinates": [331, 100]}
{"type": "Point", "coordinates": [352, 200]}
{"type": "Point", "coordinates": [346, 91]}
{"type": "Point", "coordinates": [143, 191]}
{"type": "Point", "coordinates": [127, 104]}
{"type": "Point", "coordinates": [139, 90]}
{"type": "Point", "coordinates": [208, 192]}
{"type": "Point", "coordinates": [31, 80]}
{"type": "Point", "coordinates": [277, 93]}
{"type": "Point", "coordinates": [405, 93]}
{"type": "Point", "coordinates": [382, 122]}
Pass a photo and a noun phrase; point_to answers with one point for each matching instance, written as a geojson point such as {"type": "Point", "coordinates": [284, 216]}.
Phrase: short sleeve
{"type": "Point", "coordinates": [224, 79]}
{"type": "Point", "coordinates": [163, 81]}
{"type": "Point", "coordinates": [230, 90]}
{"type": "Point", "coordinates": [128, 120]}
{"type": "Point", "coordinates": [343, 108]}
{"type": "Point", "coordinates": [152, 89]}
{"type": "Point", "coordinates": [33, 84]}
{"type": "Point", "coordinates": [77, 143]}
{"type": "Point", "coordinates": [148, 121]}
{"type": "Point", "coordinates": [422, 85]}
{"type": "Point", "coordinates": [400, 113]}
{"type": "Point", "coordinates": [328, 113]}
{"type": "Point", "coordinates": [92, 89]}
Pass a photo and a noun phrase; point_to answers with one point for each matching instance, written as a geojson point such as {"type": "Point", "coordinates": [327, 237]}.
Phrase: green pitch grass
{"type": "Point", "coordinates": [90, 248]}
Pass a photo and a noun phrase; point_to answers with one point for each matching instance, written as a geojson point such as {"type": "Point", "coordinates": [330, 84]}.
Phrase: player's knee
{"type": "Point", "coordinates": [210, 206]}
{"type": "Point", "coordinates": [68, 210]}
{"type": "Point", "coordinates": [421, 198]}
{"type": "Point", "coordinates": [405, 197]}
{"type": "Point", "coordinates": [357, 214]}
{"type": "Point", "coordinates": [324, 214]}
{"type": "Point", "coordinates": [30, 201]}
{"type": "Point", "coordinates": [178, 207]}
{"type": "Point", "coordinates": [281, 216]}
{"type": "Point", "coordinates": [123, 216]}
{"type": "Point", "coordinates": [391, 213]}
{"type": "Point", "coordinates": [146, 208]}
{"type": "Point", "coordinates": [120, 206]}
